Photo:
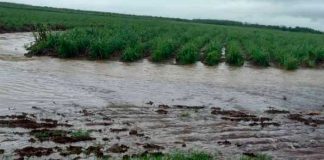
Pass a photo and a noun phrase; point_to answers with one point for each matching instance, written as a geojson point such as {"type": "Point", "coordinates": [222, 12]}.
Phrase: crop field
{"type": "Point", "coordinates": [98, 36]}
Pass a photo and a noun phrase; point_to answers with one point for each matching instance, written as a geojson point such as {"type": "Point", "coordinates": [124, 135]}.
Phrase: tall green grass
{"type": "Point", "coordinates": [213, 54]}
{"type": "Point", "coordinates": [234, 54]}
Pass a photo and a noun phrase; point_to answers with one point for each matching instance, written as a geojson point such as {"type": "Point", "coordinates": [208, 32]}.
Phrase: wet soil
{"type": "Point", "coordinates": [136, 130]}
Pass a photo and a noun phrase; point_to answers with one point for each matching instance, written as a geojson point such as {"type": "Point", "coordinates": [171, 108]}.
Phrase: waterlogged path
{"type": "Point", "coordinates": [67, 87]}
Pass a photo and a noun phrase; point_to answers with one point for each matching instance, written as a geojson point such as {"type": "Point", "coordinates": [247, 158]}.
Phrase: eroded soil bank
{"type": "Point", "coordinates": [227, 108]}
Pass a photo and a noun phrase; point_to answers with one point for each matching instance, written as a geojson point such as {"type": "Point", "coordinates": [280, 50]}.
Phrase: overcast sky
{"type": "Point", "coordinates": [307, 13]}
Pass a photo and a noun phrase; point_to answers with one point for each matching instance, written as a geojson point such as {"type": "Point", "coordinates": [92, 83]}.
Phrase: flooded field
{"type": "Point", "coordinates": [134, 107]}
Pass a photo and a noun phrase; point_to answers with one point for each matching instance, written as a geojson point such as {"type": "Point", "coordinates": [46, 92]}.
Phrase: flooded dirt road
{"type": "Point", "coordinates": [116, 93]}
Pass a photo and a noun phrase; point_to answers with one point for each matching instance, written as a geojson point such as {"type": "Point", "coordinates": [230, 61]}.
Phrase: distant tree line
{"type": "Point", "coordinates": [236, 23]}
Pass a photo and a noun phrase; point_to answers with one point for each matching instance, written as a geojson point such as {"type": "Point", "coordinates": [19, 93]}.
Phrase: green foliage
{"type": "Point", "coordinates": [188, 54]}
{"type": "Point", "coordinates": [290, 63]}
{"type": "Point", "coordinates": [133, 53]}
{"type": "Point", "coordinates": [213, 53]}
{"type": "Point", "coordinates": [234, 54]}
{"type": "Point", "coordinates": [80, 134]}
{"type": "Point", "coordinates": [164, 49]}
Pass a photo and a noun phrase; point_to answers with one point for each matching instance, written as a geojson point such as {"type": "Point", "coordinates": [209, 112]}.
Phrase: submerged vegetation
{"type": "Point", "coordinates": [99, 36]}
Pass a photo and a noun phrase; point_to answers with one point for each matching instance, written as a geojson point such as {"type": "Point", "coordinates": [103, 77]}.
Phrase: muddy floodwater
{"type": "Point", "coordinates": [221, 108]}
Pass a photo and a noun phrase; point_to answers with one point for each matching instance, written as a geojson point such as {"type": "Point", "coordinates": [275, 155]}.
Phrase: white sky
{"type": "Point", "coordinates": [306, 13]}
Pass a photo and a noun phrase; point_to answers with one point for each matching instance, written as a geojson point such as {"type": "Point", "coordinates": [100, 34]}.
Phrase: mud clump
{"type": "Point", "coordinates": [59, 136]}
{"type": "Point", "coordinates": [162, 111]}
{"type": "Point", "coordinates": [100, 124]}
{"type": "Point", "coordinates": [265, 124]}
{"type": "Point", "coordinates": [307, 121]}
{"type": "Point", "coordinates": [96, 150]}
{"type": "Point", "coordinates": [31, 151]}
{"type": "Point", "coordinates": [116, 148]}
{"type": "Point", "coordinates": [149, 103]}
{"type": "Point", "coordinates": [149, 146]}
{"type": "Point", "coordinates": [255, 119]}
{"type": "Point", "coordinates": [23, 121]}
{"type": "Point", "coordinates": [189, 107]}
{"type": "Point", "coordinates": [276, 111]}
{"type": "Point", "coordinates": [249, 154]}
{"type": "Point", "coordinates": [71, 150]}
{"type": "Point", "coordinates": [143, 155]}
{"type": "Point", "coordinates": [232, 113]}
{"type": "Point", "coordinates": [164, 106]}
{"type": "Point", "coordinates": [135, 133]}
{"type": "Point", "coordinates": [118, 130]}
{"type": "Point", "coordinates": [26, 123]}
{"type": "Point", "coordinates": [226, 143]}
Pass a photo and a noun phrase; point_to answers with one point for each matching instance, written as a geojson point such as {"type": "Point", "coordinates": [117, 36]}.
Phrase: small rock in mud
{"type": "Point", "coordinates": [189, 107]}
{"type": "Point", "coordinates": [105, 139]}
{"type": "Point", "coordinates": [2, 151]}
{"type": "Point", "coordinates": [149, 103]}
{"type": "Point", "coordinates": [133, 132]}
{"type": "Point", "coordinates": [31, 151]}
{"type": "Point", "coordinates": [164, 106]}
{"type": "Point", "coordinates": [276, 111]}
{"type": "Point", "coordinates": [162, 111]}
{"type": "Point", "coordinates": [118, 129]}
{"type": "Point", "coordinates": [284, 98]}
{"type": "Point", "coordinates": [152, 146]}
{"type": "Point", "coordinates": [116, 148]}
{"type": "Point", "coordinates": [226, 142]}
{"type": "Point", "coordinates": [96, 150]}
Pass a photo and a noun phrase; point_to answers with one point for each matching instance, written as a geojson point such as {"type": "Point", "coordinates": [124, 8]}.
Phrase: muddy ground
{"type": "Point", "coordinates": [122, 131]}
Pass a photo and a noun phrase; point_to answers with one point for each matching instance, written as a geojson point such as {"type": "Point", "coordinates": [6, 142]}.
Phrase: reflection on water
{"type": "Point", "coordinates": [45, 81]}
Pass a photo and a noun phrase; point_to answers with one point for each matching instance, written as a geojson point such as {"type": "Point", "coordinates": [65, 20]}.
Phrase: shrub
{"type": "Point", "coordinates": [234, 54]}
{"type": "Point", "coordinates": [212, 58]}
{"type": "Point", "coordinates": [133, 53]}
{"type": "Point", "coordinates": [99, 49]}
{"type": "Point", "coordinates": [164, 49]}
{"type": "Point", "coordinates": [188, 54]}
{"type": "Point", "coordinates": [213, 53]}
{"type": "Point", "coordinates": [260, 57]}
{"type": "Point", "coordinates": [290, 63]}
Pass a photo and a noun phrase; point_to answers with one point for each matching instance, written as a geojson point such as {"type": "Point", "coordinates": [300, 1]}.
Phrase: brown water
{"type": "Point", "coordinates": [67, 86]}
